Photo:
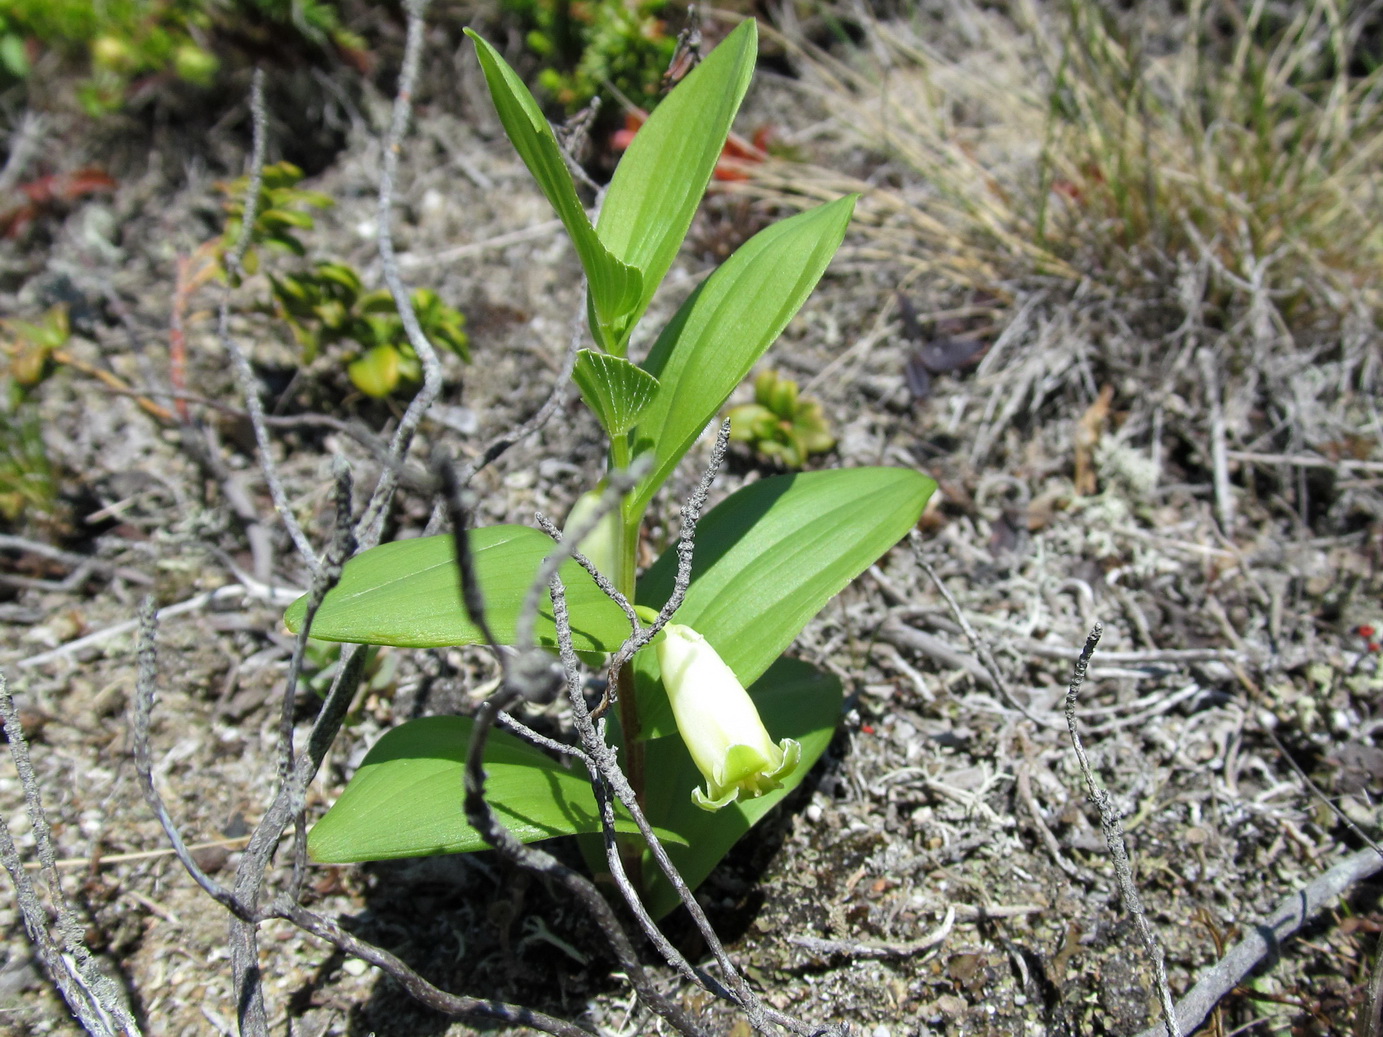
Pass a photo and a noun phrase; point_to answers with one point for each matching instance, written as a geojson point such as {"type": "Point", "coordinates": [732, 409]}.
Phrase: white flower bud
{"type": "Point", "coordinates": [718, 721]}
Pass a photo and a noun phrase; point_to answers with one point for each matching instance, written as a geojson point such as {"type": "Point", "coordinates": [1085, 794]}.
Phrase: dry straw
{"type": "Point", "coordinates": [1069, 141]}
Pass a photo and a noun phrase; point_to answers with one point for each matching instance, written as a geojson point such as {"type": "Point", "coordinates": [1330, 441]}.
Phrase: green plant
{"type": "Point", "coordinates": [30, 346]}
{"type": "Point", "coordinates": [122, 41]}
{"type": "Point", "coordinates": [282, 209]}
{"type": "Point", "coordinates": [14, 52]}
{"type": "Point", "coordinates": [28, 486]}
{"type": "Point", "coordinates": [765, 560]}
{"type": "Point", "coordinates": [592, 46]}
{"type": "Point", "coordinates": [779, 424]}
{"type": "Point", "coordinates": [327, 305]}
{"type": "Point", "coordinates": [27, 483]}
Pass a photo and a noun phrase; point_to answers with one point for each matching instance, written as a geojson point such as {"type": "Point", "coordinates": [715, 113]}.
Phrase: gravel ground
{"type": "Point", "coordinates": [1231, 611]}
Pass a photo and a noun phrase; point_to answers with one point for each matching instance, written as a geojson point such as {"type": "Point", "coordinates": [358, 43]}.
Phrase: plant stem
{"type": "Point", "coordinates": [624, 683]}
{"type": "Point", "coordinates": [631, 849]}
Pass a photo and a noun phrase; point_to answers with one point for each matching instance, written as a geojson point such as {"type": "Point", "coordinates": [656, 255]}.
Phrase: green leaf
{"type": "Point", "coordinates": [406, 798]}
{"type": "Point", "coordinates": [616, 288]}
{"type": "Point", "coordinates": [726, 324]}
{"type": "Point", "coordinates": [795, 700]}
{"type": "Point", "coordinates": [617, 390]}
{"type": "Point", "coordinates": [769, 558]}
{"type": "Point", "coordinates": [407, 594]}
{"type": "Point", "coordinates": [662, 177]}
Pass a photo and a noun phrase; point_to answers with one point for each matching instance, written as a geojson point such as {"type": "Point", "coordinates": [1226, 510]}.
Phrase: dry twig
{"type": "Point", "coordinates": [1266, 938]}
{"type": "Point", "coordinates": [1114, 839]}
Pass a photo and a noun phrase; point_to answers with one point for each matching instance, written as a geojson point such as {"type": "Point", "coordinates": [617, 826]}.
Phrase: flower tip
{"type": "Point", "coordinates": [747, 775]}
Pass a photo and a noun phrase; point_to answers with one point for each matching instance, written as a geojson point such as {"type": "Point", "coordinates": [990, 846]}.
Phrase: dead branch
{"type": "Point", "coordinates": [1114, 839]}
{"type": "Point", "coordinates": [249, 385]}
{"type": "Point", "coordinates": [1267, 937]}
{"type": "Point", "coordinates": [880, 949]}
{"type": "Point", "coordinates": [93, 998]}
{"type": "Point", "coordinates": [529, 675]}
{"type": "Point", "coordinates": [371, 525]}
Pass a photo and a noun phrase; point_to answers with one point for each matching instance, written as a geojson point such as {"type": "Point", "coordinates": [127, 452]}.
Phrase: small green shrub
{"type": "Point", "coordinates": [28, 487]}
{"type": "Point", "coordinates": [327, 304]}
{"type": "Point", "coordinates": [118, 42]}
{"type": "Point", "coordinates": [281, 211]}
{"type": "Point", "coordinates": [588, 47]}
{"type": "Point", "coordinates": [780, 424]}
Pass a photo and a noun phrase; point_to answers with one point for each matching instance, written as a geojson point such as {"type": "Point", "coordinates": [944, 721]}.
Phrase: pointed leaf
{"type": "Point", "coordinates": [769, 558]}
{"type": "Point", "coordinates": [408, 594]}
{"type": "Point", "coordinates": [406, 798]}
{"type": "Point", "coordinates": [795, 700]}
{"type": "Point", "coordinates": [616, 389]}
{"type": "Point", "coordinates": [662, 177]}
{"type": "Point", "coordinates": [726, 324]}
{"type": "Point", "coordinates": [616, 288]}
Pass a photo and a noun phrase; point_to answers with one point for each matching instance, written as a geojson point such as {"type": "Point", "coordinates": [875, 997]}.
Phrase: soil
{"type": "Point", "coordinates": [1231, 613]}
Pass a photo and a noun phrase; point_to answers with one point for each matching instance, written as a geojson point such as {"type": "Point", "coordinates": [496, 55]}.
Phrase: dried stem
{"type": "Point", "coordinates": [1266, 938]}
{"type": "Point", "coordinates": [93, 998]}
{"type": "Point", "coordinates": [371, 525]}
{"type": "Point", "coordinates": [981, 648]}
{"type": "Point", "coordinates": [249, 384]}
{"type": "Point", "coordinates": [1114, 839]}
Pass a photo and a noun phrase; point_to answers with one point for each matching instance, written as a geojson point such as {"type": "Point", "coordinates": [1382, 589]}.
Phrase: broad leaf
{"type": "Point", "coordinates": [617, 390]}
{"type": "Point", "coordinates": [617, 289]}
{"type": "Point", "coordinates": [726, 324]}
{"type": "Point", "coordinates": [795, 700]}
{"type": "Point", "coordinates": [769, 557]}
{"type": "Point", "coordinates": [662, 177]}
{"type": "Point", "coordinates": [408, 594]}
{"type": "Point", "coordinates": [406, 800]}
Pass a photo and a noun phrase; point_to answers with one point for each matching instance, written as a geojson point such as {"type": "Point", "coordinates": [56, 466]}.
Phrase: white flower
{"type": "Point", "coordinates": [718, 722]}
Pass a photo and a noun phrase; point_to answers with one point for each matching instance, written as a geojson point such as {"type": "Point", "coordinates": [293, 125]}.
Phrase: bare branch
{"type": "Point", "coordinates": [1266, 938]}
{"type": "Point", "coordinates": [294, 774]}
{"type": "Point", "coordinates": [372, 523]}
{"type": "Point", "coordinates": [878, 948]}
{"type": "Point", "coordinates": [981, 648]}
{"type": "Point", "coordinates": [145, 693]}
{"type": "Point", "coordinates": [686, 543]}
{"type": "Point", "coordinates": [540, 417]}
{"type": "Point", "coordinates": [529, 675]}
{"type": "Point", "coordinates": [1114, 839]}
{"type": "Point", "coordinates": [93, 998]}
{"type": "Point", "coordinates": [249, 385]}
{"type": "Point", "coordinates": [617, 484]}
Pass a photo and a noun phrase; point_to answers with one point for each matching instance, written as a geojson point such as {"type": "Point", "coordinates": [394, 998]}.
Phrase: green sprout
{"type": "Point", "coordinates": [780, 424]}
{"type": "Point", "coordinates": [28, 485]}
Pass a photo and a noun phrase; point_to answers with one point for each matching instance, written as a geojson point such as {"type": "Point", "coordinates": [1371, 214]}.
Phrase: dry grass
{"type": "Point", "coordinates": [1063, 140]}
{"type": "Point", "coordinates": [1201, 187]}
